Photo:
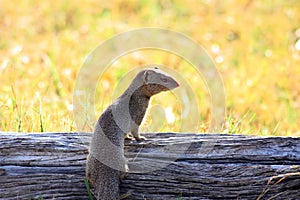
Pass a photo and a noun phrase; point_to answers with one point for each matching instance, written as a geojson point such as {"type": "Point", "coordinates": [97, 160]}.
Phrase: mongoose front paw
{"type": "Point", "coordinates": [140, 138]}
{"type": "Point", "coordinates": [129, 137]}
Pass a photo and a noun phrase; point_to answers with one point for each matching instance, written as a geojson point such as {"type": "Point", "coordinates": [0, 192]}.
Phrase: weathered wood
{"type": "Point", "coordinates": [187, 166]}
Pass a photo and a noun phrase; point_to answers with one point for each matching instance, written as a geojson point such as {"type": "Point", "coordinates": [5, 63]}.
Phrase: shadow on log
{"type": "Point", "coordinates": [165, 166]}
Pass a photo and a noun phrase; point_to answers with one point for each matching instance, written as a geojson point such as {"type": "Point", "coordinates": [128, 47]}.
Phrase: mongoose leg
{"type": "Point", "coordinates": [135, 133]}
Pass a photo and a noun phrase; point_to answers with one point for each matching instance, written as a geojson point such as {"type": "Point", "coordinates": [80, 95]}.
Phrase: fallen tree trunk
{"type": "Point", "coordinates": [165, 166]}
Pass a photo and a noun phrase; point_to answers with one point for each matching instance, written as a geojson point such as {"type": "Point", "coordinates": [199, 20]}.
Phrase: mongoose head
{"type": "Point", "coordinates": [155, 81]}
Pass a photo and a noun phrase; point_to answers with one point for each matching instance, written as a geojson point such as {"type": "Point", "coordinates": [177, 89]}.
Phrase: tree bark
{"type": "Point", "coordinates": [165, 166]}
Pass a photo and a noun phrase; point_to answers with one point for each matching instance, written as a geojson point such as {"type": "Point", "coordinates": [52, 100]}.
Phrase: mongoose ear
{"type": "Point", "coordinates": [147, 76]}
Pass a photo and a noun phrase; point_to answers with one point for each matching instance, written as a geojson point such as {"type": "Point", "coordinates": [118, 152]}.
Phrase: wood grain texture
{"type": "Point", "coordinates": [174, 166]}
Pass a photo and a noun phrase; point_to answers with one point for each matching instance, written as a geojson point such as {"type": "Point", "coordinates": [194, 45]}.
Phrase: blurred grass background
{"type": "Point", "coordinates": [255, 44]}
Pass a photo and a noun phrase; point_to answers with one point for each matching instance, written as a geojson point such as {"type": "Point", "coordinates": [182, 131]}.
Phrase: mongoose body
{"type": "Point", "coordinates": [106, 159]}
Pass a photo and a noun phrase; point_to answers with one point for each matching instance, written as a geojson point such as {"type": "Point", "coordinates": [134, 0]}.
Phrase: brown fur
{"type": "Point", "coordinates": [106, 160]}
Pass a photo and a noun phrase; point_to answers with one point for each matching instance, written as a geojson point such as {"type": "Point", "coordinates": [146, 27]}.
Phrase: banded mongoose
{"type": "Point", "coordinates": [106, 162]}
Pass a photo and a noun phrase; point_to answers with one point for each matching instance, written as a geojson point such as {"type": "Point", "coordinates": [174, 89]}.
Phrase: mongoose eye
{"type": "Point", "coordinates": [164, 79]}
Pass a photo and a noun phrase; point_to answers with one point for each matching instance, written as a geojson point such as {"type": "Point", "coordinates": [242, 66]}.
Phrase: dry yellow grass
{"type": "Point", "coordinates": [256, 46]}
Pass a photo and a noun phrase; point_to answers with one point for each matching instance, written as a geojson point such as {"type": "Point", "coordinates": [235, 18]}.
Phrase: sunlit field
{"type": "Point", "coordinates": [255, 46]}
